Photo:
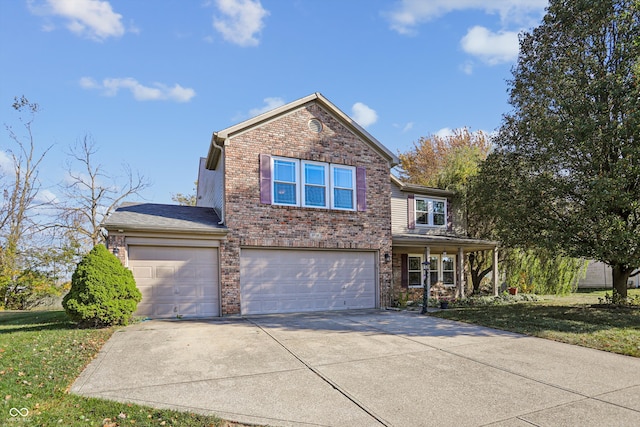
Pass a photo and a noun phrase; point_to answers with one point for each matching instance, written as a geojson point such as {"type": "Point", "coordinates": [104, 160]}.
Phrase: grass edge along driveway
{"type": "Point", "coordinates": [41, 354]}
{"type": "Point", "coordinates": [571, 319]}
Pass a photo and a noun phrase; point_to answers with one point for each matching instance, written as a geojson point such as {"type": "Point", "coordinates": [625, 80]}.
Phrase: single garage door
{"type": "Point", "coordinates": [283, 281]}
{"type": "Point", "coordinates": [176, 281]}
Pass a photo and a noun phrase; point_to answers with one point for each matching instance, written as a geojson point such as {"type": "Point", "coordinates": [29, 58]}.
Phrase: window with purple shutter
{"type": "Point", "coordinates": [411, 212]}
{"type": "Point", "coordinates": [265, 179]}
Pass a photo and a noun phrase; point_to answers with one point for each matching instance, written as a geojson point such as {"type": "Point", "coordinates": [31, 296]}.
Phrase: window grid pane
{"type": "Point", "coordinates": [415, 278]}
{"type": "Point", "coordinates": [284, 171]}
{"type": "Point", "coordinates": [314, 174]}
{"type": "Point", "coordinates": [415, 270]}
{"type": "Point", "coordinates": [314, 196]}
{"type": "Point", "coordinates": [343, 198]}
{"type": "Point", "coordinates": [342, 178]}
{"type": "Point", "coordinates": [284, 193]}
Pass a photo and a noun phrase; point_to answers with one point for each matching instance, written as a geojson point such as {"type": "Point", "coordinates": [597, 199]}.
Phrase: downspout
{"type": "Point", "coordinates": [215, 146]}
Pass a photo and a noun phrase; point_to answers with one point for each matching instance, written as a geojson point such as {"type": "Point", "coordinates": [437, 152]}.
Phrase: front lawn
{"type": "Point", "coordinates": [41, 354]}
{"type": "Point", "coordinates": [571, 319]}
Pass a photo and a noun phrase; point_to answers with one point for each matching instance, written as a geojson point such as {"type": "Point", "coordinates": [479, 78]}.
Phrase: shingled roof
{"type": "Point", "coordinates": [159, 217]}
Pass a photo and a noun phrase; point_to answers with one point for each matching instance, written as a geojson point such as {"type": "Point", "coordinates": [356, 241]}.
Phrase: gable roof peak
{"type": "Point", "coordinates": [220, 137]}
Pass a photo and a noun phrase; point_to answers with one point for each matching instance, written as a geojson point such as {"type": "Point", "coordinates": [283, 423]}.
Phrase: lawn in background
{"type": "Point", "coordinates": [571, 319]}
{"type": "Point", "coordinates": [41, 354]}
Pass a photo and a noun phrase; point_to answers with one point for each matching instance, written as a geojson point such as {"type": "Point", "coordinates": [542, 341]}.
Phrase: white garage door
{"type": "Point", "coordinates": [282, 281]}
{"type": "Point", "coordinates": [176, 281]}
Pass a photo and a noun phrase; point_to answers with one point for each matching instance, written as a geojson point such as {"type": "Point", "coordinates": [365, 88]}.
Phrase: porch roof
{"type": "Point", "coordinates": [442, 242]}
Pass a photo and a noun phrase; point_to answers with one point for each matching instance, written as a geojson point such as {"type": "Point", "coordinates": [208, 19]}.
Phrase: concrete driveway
{"type": "Point", "coordinates": [363, 368]}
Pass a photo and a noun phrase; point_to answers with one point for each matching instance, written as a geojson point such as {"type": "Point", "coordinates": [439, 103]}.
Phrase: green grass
{"type": "Point", "coordinates": [41, 354]}
{"type": "Point", "coordinates": [570, 319]}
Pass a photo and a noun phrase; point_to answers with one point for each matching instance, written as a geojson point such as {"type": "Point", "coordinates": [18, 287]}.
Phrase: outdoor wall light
{"type": "Point", "coordinates": [116, 251]}
{"type": "Point", "coordinates": [387, 257]}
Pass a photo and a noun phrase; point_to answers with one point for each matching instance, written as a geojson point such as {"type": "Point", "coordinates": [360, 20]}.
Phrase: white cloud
{"type": "Point", "coordinates": [94, 19]}
{"type": "Point", "coordinates": [240, 21]}
{"type": "Point", "coordinates": [444, 133]}
{"type": "Point", "coordinates": [409, 14]}
{"type": "Point", "coordinates": [467, 67]}
{"type": "Point", "coordinates": [363, 115]}
{"type": "Point", "coordinates": [46, 196]}
{"type": "Point", "coordinates": [6, 163]}
{"type": "Point", "coordinates": [492, 48]}
{"type": "Point", "coordinates": [407, 127]}
{"type": "Point", "coordinates": [269, 104]}
{"type": "Point", "coordinates": [157, 92]}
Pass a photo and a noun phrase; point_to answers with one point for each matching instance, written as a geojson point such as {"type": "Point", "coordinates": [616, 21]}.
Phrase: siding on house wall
{"type": "Point", "coordinates": [211, 187]}
{"type": "Point", "coordinates": [599, 275]}
{"type": "Point", "coordinates": [399, 216]}
{"type": "Point", "coordinates": [253, 224]}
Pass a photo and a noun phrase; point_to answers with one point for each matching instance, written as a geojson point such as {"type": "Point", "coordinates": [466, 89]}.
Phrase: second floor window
{"type": "Point", "coordinates": [343, 187]}
{"type": "Point", "coordinates": [285, 174]}
{"type": "Point", "coordinates": [313, 184]}
{"type": "Point", "coordinates": [431, 212]}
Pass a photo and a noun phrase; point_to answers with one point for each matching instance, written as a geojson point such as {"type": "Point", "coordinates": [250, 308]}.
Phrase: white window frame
{"type": "Point", "coordinates": [409, 270]}
{"type": "Point", "coordinates": [440, 271]}
{"type": "Point", "coordinates": [303, 192]}
{"type": "Point", "coordinates": [430, 211]}
{"type": "Point", "coordinates": [300, 184]}
{"type": "Point", "coordinates": [354, 202]}
{"type": "Point", "coordinates": [296, 181]}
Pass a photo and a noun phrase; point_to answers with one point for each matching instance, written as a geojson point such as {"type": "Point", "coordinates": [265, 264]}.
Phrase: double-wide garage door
{"type": "Point", "coordinates": [176, 281]}
{"type": "Point", "coordinates": [284, 281]}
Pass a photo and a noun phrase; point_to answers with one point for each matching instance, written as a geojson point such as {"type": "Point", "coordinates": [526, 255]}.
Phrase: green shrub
{"type": "Point", "coordinates": [103, 292]}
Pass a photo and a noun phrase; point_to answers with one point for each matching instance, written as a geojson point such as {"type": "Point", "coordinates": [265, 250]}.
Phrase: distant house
{"type": "Point", "coordinates": [599, 276]}
{"type": "Point", "coordinates": [297, 211]}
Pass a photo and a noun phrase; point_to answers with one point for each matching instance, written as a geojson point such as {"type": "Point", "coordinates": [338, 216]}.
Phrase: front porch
{"type": "Point", "coordinates": [445, 274]}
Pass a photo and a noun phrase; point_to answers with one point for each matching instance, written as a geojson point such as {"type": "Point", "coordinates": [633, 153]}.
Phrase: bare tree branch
{"type": "Point", "coordinates": [91, 194]}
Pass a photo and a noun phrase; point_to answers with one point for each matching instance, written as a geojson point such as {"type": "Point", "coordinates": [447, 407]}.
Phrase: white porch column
{"type": "Point", "coordinates": [495, 271]}
{"type": "Point", "coordinates": [461, 284]}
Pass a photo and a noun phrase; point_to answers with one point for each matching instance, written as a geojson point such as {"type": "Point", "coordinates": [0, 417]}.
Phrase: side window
{"type": "Point", "coordinates": [285, 186]}
{"type": "Point", "coordinates": [439, 215]}
{"type": "Point", "coordinates": [430, 212]}
{"type": "Point", "coordinates": [434, 270]}
{"type": "Point", "coordinates": [415, 271]}
{"type": "Point", "coordinates": [343, 187]}
{"type": "Point", "coordinates": [422, 212]}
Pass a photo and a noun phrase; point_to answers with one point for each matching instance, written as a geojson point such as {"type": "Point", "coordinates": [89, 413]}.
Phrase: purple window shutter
{"type": "Point", "coordinates": [265, 179]}
{"type": "Point", "coordinates": [449, 216]}
{"type": "Point", "coordinates": [361, 189]}
{"type": "Point", "coordinates": [411, 212]}
{"type": "Point", "coordinates": [404, 275]}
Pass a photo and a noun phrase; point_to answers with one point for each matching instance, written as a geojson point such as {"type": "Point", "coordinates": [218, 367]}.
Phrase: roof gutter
{"type": "Point", "coordinates": [215, 151]}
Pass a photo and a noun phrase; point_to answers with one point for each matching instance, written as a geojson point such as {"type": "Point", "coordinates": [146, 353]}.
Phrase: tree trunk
{"type": "Point", "coordinates": [475, 268]}
{"type": "Point", "coordinates": [621, 275]}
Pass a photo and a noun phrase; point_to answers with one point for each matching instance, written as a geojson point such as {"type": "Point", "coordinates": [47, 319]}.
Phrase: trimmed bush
{"type": "Point", "coordinates": [103, 292]}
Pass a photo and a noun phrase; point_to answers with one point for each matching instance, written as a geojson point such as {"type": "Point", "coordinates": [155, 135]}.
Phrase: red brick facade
{"type": "Point", "coordinates": [252, 224]}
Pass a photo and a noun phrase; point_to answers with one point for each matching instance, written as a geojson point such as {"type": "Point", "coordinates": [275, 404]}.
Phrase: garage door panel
{"type": "Point", "coordinates": [279, 281]}
{"type": "Point", "coordinates": [176, 280]}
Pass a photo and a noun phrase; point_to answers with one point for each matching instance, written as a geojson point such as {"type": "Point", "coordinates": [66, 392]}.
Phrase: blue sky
{"type": "Point", "coordinates": [151, 80]}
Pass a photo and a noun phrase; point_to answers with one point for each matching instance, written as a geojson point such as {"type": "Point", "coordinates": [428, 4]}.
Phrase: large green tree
{"type": "Point", "coordinates": [565, 174]}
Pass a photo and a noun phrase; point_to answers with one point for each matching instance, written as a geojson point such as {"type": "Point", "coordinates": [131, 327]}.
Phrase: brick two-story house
{"type": "Point", "coordinates": [297, 210]}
